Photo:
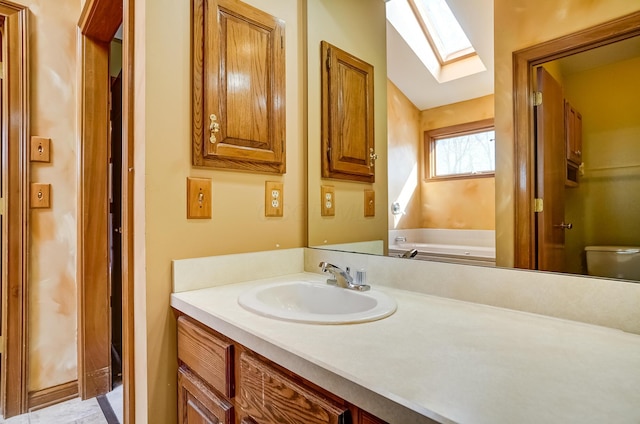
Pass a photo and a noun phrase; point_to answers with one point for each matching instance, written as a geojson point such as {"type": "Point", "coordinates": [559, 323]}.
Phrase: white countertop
{"type": "Point", "coordinates": [448, 360]}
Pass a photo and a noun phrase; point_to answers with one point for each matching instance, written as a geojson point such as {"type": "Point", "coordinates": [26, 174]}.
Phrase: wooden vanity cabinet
{"type": "Point", "coordinates": [242, 387]}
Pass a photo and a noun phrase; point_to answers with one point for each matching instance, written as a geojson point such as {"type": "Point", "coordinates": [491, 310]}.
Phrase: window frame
{"type": "Point", "coordinates": [430, 138]}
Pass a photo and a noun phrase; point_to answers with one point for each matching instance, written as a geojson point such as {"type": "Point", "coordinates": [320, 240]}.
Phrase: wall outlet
{"type": "Point", "coordinates": [198, 198]}
{"type": "Point", "coordinates": [327, 201]}
{"type": "Point", "coordinates": [273, 198]}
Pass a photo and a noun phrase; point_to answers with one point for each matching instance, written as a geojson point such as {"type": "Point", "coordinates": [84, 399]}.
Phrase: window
{"type": "Point", "coordinates": [432, 31]}
{"type": "Point", "coordinates": [461, 151]}
{"type": "Point", "coordinates": [444, 33]}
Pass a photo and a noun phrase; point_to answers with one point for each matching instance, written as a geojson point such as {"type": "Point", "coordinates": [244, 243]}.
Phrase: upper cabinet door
{"type": "Point", "coordinates": [348, 147]}
{"type": "Point", "coordinates": [238, 87]}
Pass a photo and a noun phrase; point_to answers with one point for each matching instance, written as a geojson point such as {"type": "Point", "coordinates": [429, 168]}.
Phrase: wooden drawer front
{"type": "Point", "coordinates": [268, 396]}
{"type": "Point", "coordinates": [199, 404]}
{"type": "Point", "coordinates": [208, 356]}
{"type": "Point", "coordinates": [366, 418]}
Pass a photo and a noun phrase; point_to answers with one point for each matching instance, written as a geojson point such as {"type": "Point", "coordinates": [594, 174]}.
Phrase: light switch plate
{"type": "Point", "coordinates": [40, 197]}
{"type": "Point", "coordinates": [40, 149]}
{"type": "Point", "coordinates": [198, 198]}
{"type": "Point", "coordinates": [327, 201]}
{"type": "Point", "coordinates": [273, 198]}
{"type": "Point", "coordinates": [369, 203]}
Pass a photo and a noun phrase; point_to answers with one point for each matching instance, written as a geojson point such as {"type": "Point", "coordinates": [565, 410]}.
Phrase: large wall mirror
{"type": "Point", "coordinates": [459, 214]}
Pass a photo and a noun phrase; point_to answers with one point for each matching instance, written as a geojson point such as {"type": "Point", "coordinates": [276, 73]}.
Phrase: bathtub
{"type": "Point", "coordinates": [476, 247]}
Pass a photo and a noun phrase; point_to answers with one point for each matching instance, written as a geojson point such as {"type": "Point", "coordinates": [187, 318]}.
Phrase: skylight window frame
{"type": "Point", "coordinates": [431, 35]}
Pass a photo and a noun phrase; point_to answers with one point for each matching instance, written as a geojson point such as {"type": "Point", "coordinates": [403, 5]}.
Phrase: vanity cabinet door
{"type": "Point", "coordinates": [366, 418]}
{"type": "Point", "coordinates": [198, 404]}
{"type": "Point", "coordinates": [348, 146]}
{"type": "Point", "coordinates": [268, 396]}
{"type": "Point", "coordinates": [238, 87]}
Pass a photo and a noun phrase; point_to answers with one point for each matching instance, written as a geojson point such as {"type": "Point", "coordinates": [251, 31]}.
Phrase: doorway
{"type": "Point", "coordinates": [525, 61]}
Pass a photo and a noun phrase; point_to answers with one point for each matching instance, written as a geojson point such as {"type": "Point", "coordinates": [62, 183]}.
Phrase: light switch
{"type": "Point", "coordinates": [40, 195]}
{"type": "Point", "coordinates": [40, 149]}
{"type": "Point", "coordinates": [369, 203]}
{"type": "Point", "coordinates": [328, 201]}
{"type": "Point", "coordinates": [198, 198]}
{"type": "Point", "coordinates": [273, 198]}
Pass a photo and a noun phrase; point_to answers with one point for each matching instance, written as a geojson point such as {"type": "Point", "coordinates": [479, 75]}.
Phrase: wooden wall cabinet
{"type": "Point", "coordinates": [573, 125]}
{"type": "Point", "coordinates": [573, 142]}
{"type": "Point", "coordinates": [348, 145]}
{"type": "Point", "coordinates": [238, 87]}
{"type": "Point", "coordinates": [242, 387]}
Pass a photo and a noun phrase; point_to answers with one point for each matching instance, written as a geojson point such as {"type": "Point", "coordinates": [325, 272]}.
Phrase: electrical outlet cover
{"type": "Point", "coordinates": [327, 201]}
{"type": "Point", "coordinates": [273, 199]}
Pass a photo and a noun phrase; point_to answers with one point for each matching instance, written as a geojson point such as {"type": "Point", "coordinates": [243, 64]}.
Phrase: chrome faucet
{"type": "Point", "coordinates": [409, 254]}
{"type": "Point", "coordinates": [341, 278]}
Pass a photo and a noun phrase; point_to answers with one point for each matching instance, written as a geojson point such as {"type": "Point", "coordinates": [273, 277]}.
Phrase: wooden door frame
{"type": "Point", "coordinates": [523, 63]}
{"type": "Point", "coordinates": [15, 142]}
{"type": "Point", "coordinates": [98, 23]}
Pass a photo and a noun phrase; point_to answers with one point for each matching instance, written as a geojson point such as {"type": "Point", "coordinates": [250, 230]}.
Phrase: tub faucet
{"type": "Point", "coordinates": [409, 254]}
{"type": "Point", "coordinates": [341, 278]}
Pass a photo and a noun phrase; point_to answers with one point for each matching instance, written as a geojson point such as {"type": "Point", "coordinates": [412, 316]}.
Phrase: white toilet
{"type": "Point", "coordinates": [614, 261]}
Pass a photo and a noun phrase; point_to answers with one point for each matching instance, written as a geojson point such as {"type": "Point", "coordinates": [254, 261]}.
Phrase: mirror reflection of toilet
{"type": "Point", "coordinates": [614, 261]}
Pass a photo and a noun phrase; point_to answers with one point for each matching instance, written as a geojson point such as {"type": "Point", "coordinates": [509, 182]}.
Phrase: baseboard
{"type": "Point", "coordinates": [46, 397]}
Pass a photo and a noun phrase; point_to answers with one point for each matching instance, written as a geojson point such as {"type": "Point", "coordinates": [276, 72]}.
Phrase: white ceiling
{"type": "Point", "coordinates": [409, 74]}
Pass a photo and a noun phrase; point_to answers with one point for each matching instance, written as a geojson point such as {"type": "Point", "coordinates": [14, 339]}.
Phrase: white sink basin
{"type": "Point", "coordinates": [317, 303]}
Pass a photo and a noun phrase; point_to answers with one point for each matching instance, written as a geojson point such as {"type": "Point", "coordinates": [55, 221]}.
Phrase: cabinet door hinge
{"type": "Point", "coordinates": [537, 98]}
{"type": "Point", "coordinates": [1, 206]}
{"type": "Point", "coordinates": [538, 205]}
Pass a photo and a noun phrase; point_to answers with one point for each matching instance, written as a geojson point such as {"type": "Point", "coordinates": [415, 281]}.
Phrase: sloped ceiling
{"type": "Point", "coordinates": [408, 73]}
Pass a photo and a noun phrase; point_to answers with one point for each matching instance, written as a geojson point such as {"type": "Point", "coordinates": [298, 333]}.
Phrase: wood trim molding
{"type": "Point", "coordinates": [523, 62]}
{"type": "Point", "coordinates": [42, 398]}
{"type": "Point", "coordinates": [128, 341]}
{"type": "Point", "coordinates": [15, 138]}
{"type": "Point", "coordinates": [100, 19]}
{"type": "Point", "coordinates": [94, 348]}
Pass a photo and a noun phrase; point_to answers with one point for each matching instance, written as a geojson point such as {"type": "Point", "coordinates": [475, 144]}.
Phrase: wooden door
{"type": "Point", "coordinates": [238, 87]}
{"type": "Point", "coordinates": [551, 168]}
{"type": "Point", "coordinates": [348, 146]}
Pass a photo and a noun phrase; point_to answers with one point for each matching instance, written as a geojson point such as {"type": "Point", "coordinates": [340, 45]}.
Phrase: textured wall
{"type": "Point", "coordinates": [467, 203]}
{"type": "Point", "coordinates": [163, 162]}
{"type": "Point", "coordinates": [53, 233]}
{"type": "Point", "coordinates": [519, 24]}
{"type": "Point", "coordinates": [404, 154]}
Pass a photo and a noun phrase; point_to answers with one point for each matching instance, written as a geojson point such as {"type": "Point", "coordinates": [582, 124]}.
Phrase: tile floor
{"type": "Point", "coordinates": [74, 411]}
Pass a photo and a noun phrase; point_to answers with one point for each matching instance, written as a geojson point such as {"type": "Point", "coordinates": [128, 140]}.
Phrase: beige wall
{"type": "Point", "coordinates": [607, 200]}
{"type": "Point", "coordinates": [52, 348]}
{"type": "Point", "coordinates": [356, 26]}
{"type": "Point", "coordinates": [518, 25]}
{"type": "Point", "coordinates": [163, 162]}
{"type": "Point", "coordinates": [468, 203]}
{"type": "Point", "coordinates": [405, 153]}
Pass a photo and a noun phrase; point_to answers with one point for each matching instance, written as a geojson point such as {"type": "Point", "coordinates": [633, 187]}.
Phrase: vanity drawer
{"type": "Point", "coordinates": [267, 395]}
{"type": "Point", "coordinates": [210, 357]}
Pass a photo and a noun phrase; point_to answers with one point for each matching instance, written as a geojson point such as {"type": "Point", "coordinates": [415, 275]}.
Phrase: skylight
{"type": "Point", "coordinates": [443, 29]}
{"type": "Point", "coordinates": [431, 30]}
